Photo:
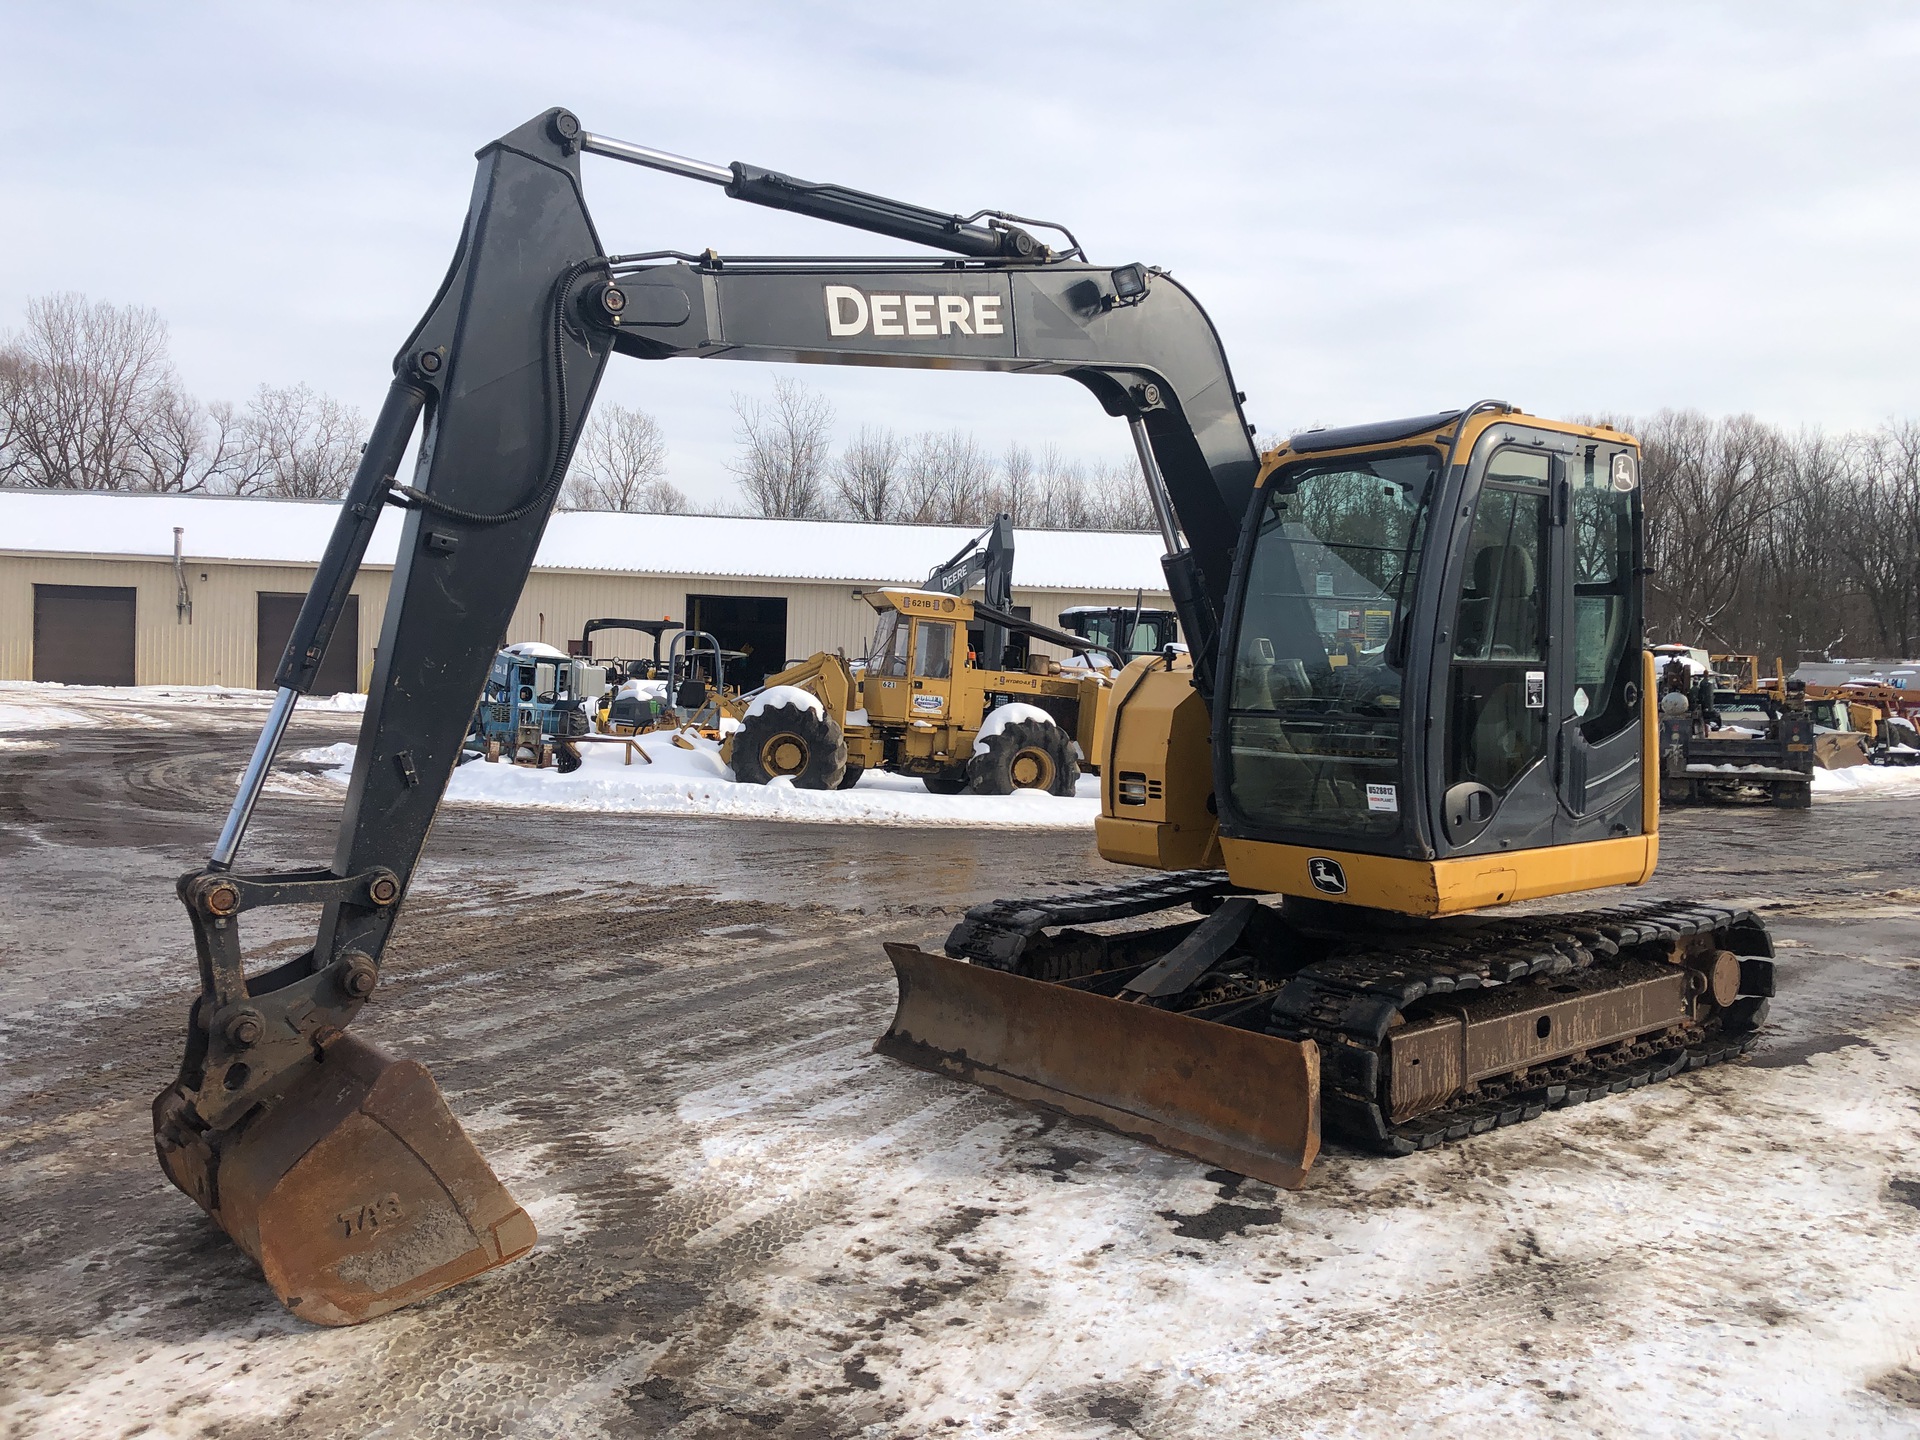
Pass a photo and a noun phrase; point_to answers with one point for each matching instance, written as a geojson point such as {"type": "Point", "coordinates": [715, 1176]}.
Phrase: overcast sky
{"type": "Point", "coordinates": [1387, 208]}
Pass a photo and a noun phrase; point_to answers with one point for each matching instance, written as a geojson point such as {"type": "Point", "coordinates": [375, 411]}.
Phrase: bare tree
{"type": "Point", "coordinates": [1712, 489]}
{"type": "Point", "coordinates": [1064, 503]}
{"type": "Point", "coordinates": [621, 464]}
{"type": "Point", "coordinates": [1019, 489]}
{"type": "Point", "coordinates": [867, 476]}
{"type": "Point", "coordinates": [1118, 497]}
{"type": "Point", "coordinates": [1881, 536]}
{"type": "Point", "coordinates": [82, 382]}
{"type": "Point", "coordinates": [784, 450]}
{"type": "Point", "coordinates": [294, 443]}
{"type": "Point", "coordinates": [949, 480]}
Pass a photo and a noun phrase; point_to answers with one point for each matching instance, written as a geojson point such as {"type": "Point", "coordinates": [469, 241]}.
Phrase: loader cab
{"type": "Point", "coordinates": [1433, 636]}
{"type": "Point", "coordinates": [1131, 629]}
{"type": "Point", "coordinates": [919, 644]}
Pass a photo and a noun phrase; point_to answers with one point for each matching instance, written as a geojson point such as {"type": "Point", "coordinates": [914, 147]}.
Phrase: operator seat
{"type": "Point", "coordinates": [1500, 609]}
{"type": "Point", "coordinates": [1500, 621]}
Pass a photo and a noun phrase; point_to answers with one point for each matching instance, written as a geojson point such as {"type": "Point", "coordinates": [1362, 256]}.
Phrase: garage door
{"type": "Point", "coordinates": [83, 634]}
{"type": "Point", "coordinates": [754, 627]}
{"type": "Point", "coordinates": [339, 669]}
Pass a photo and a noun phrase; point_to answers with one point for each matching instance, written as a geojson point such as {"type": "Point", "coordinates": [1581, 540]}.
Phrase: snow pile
{"type": "Point", "coordinates": [1869, 779]}
{"type": "Point", "coordinates": [777, 695]}
{"type": "Point", "coordinates": [48, 705]}
{"type": "Point", "coordinates": [665, 779]}
{"type": "Point", "coordinates": [536, 650]}
{"type": "Point", "coordinates": [41, 716]}
{"type": "Point", "coordinates": [998, 719]}
{"type": "Point", "coordinates": [346, 702]}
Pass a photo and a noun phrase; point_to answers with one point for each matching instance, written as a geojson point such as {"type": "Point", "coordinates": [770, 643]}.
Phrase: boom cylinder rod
{"type": "Point", "coordinates": [255, 777]}
{"type": "Point", "coordinates": [836, 203]}
{"type": "Point", "coordinates": [332, 583]}
{"type": "Point", "coordinates": [1156, 485]}
{"type": "Point", "coordinates": [655, 159]}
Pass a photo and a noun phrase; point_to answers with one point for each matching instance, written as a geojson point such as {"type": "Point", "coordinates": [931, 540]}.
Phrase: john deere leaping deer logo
{"type": "Point", "coordinates": [1327, 875]}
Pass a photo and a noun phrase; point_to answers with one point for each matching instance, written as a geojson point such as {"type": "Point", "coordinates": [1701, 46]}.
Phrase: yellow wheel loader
{"type": "Point", "coordinates": [921, 705]}
{"type": "Point", "coordinates": [1415, 694]}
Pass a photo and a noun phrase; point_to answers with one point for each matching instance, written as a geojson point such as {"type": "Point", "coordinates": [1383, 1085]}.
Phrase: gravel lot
{"type": "Point", "coordinates": [658, 1031]}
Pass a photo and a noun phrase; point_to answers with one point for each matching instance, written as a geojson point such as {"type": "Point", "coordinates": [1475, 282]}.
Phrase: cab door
{"type": "Point", "coordinates": [932, 669]}
{"type": "Point", "coordinates": [1598, 742]}
{"type": "Point", "coordinates": [886, 689]}
{"type": "Point", "coordinates": [1498, 699]}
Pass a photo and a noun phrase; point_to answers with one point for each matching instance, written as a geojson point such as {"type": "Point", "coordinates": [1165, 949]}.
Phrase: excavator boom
{"type": "Point", "coordinates": [339, 1168]}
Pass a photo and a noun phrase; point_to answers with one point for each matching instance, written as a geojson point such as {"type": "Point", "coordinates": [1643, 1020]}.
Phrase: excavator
{"type": "Point", "coordinates": [1414, 693]}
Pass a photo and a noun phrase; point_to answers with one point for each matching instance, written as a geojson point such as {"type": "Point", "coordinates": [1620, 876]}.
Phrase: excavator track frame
{"type": "Point", "coordinates": [1030, 1005]}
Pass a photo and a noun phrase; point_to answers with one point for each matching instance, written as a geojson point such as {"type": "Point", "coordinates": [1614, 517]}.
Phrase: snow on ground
{"type": "Point", "coordinates": [45, 705]}
{"type": "Point", "coordinates": [1875, 779]}
{"type": "Point", "coordinates": [676, 781]}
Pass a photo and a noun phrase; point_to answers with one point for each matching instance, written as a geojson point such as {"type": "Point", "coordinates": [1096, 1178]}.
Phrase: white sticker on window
{"type": "Point", "coordinates": [1536, 689]}
{"type": "Point", "coordinates": [1323, 582]}
{"type": "Point", "coordinates": [1580, 702]}
{"type": "Point", "coordinates": [1383, 797]}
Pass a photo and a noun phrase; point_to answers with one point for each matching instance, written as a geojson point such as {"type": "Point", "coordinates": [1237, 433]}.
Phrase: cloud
{"type": "Point", "coordinates": [1386, 208]}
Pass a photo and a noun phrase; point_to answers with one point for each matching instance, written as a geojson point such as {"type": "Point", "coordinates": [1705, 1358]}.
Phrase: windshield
{"type": "Point", "coordinates": [1314, 714]}
{"type": "Point", "coordinates": [1119, 629]}
{"type": "Point", "coordinates": [889, 655]}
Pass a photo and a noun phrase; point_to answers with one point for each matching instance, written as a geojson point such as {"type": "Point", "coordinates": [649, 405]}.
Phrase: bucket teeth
{"type": "Point", "coordinates": [357, 1191]}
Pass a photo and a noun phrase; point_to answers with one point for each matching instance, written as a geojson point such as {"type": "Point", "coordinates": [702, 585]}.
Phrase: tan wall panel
{"type": "Point", "coordinates": [215, 648]}
{"type": "Point", "coordinates": [820, 616]}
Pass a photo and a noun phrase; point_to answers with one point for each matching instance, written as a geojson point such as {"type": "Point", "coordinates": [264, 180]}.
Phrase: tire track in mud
{"type": "Point", "coordinates": [753, 1227]}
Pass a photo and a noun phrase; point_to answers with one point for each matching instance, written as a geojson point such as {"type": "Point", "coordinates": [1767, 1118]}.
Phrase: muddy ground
{"type": "Point", "coordinates": [658, 1031]}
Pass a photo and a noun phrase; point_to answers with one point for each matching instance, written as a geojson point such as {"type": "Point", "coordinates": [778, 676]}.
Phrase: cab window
{"type": "Point", "coordinates": [1314, 724]}
{"type": "Point", "coordinates": [1606, 618]}
{"type": "Point", "coordinates": [1497, 692]}
{"type": "Point", "coordinates": [889, 657]}
{"type": "Point", "coordinates": [933, 650]}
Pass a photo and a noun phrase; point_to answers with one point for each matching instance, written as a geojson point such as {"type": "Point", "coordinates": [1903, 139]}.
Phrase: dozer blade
{"type": "Point", "coordinates": [1246, 1102]}
{"type": "Point", "coordinates": [356, 1190]}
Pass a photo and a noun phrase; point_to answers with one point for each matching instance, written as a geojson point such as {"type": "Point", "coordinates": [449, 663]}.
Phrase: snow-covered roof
{"type": "Point", "coordinates": [295, 532]}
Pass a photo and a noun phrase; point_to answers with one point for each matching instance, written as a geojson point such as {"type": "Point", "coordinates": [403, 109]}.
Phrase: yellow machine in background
{"type": "Point", "coordinates": [920, 704]}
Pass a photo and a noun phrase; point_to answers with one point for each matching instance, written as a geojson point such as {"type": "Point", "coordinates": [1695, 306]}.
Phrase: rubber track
{"type": "Point", "coordinates": [1348, 1002]}
{"type": "Point", "coordinates": [996, 934]}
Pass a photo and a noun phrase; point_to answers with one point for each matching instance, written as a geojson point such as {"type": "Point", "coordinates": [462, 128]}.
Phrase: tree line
{"type": "Point", "coordinates": [787, 465]}
{"type": "Point", "coordinates": [1788, 543]}
{"type": "Point", "coordinates": [90, 400]}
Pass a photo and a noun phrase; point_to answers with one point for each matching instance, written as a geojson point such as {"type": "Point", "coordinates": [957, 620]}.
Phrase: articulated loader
{"type": "Point", "coordinates": [951, 691]}
{"type": "Point", "coordinates": [921, 705]}
{"type": "Point", "coordinates": [1415, 694]}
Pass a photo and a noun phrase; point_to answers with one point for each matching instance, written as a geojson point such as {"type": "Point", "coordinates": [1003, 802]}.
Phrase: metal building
{"type": "Point", "coordinates": [109, 589]}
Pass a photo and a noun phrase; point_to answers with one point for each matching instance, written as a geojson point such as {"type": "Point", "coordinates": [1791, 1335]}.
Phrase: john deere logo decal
{"type": "Point", "coordinates": [1327, 875]}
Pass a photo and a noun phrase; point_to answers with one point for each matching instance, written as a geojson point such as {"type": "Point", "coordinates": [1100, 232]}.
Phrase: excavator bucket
{"type": "Point", "coordinates": [1234, 1098]}
{"type": "Point", "coordinates": [356, 1191]}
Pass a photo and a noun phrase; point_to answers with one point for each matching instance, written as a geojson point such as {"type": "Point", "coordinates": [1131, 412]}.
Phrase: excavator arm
{"type": "Point", "coordinates": [337, 1167]}
{"type": "Point", "coordinates": [988, 558]}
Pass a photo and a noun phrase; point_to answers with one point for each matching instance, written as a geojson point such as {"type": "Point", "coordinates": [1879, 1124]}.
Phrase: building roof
{"type": "Point", "coordinates": [219, 527]}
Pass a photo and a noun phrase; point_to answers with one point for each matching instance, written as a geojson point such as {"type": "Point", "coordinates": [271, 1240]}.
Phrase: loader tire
{"type": "Point", "coordinates": [790, 740]}
{"type": "Point", "coordinates": [566, 758]}
{"type": "Point", "coordinates": [1027, 755]}
{"type": "Point", "coordinates": [947, 782]}
{"type": "Point", "coordinates": [851, 778]}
